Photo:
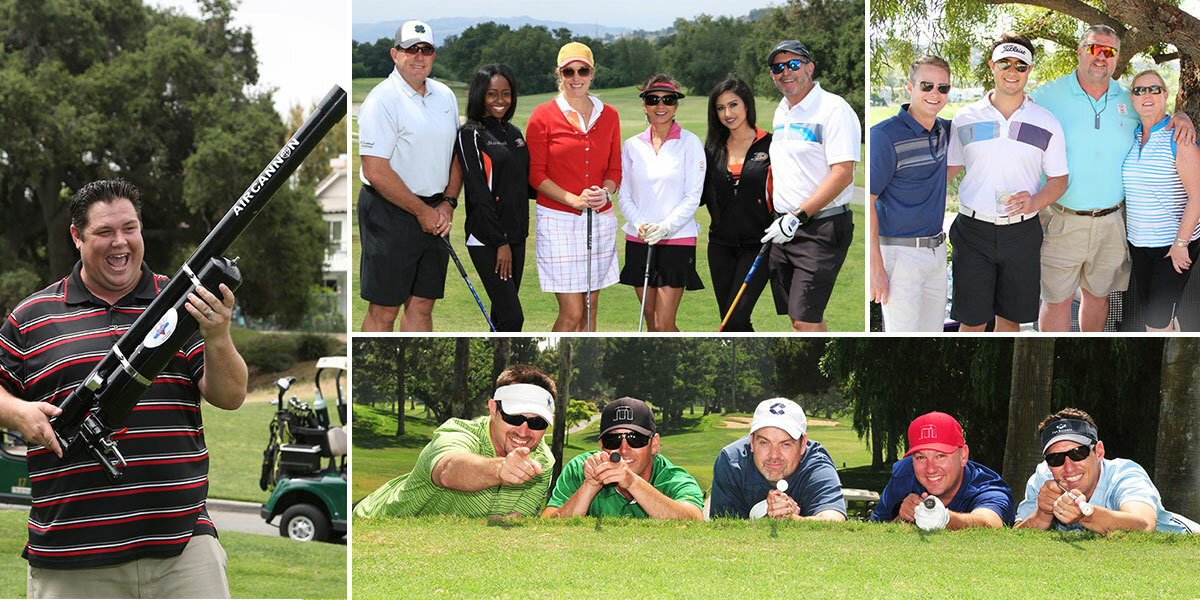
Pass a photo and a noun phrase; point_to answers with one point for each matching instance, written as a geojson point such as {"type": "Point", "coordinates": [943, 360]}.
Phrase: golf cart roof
{"type": "Point", "coordinates": [332, 362]}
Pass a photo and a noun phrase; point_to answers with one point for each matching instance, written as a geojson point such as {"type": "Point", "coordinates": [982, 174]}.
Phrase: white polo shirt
{"type": "Point", "coordinates": [414, 132]}
{"type": "Point", "coordinates": [664, 186]}
{"type": "Point", "coordinates": [1004, 155]}
{"type": "Point", "coordinates": [819, 131]}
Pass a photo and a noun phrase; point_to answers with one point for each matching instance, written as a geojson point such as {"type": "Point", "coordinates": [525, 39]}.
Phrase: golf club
{"type": "Point", "coordinates": [1084, 506]}
{"type": "Point", "coordinates": [463, 272]}
{"type": "Point", "coordinates": [754, 267]}
{"type": "Point", "coordinates": [645, 287]}
{"type": "Point", "coordinates": [588, 293]}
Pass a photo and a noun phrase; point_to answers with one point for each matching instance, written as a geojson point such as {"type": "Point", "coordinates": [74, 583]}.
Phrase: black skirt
{"type": "Point", "coordinates": [670, 266]}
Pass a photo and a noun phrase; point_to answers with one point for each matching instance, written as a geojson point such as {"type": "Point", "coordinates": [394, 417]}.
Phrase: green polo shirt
{"type": "Point", "coordinates": [415, 493]}
{"type": "Point", "coordinates": [674, 482]}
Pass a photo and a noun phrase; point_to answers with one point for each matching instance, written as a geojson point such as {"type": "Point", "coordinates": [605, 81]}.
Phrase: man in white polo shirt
{"type": "Point", "coordinates": [406, 131]}
{"type": "Point", "coordinates": [817, 140]}
{"type": "Point", "coordinates": [1006, 142]}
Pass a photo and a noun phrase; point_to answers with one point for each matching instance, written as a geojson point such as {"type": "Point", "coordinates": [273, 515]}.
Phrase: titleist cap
{"type": "Point", "coordinates": [1012, 50]}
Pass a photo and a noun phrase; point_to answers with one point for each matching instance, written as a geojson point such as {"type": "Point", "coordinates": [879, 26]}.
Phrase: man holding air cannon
{"type": "Point", "coordinates": [496, 465]}
{"type": "Point", "coordinates": [965, 493]}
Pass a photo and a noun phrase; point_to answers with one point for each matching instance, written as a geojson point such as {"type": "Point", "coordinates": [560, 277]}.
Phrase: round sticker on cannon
{"type": "Point", "coordinates": [162, 329]}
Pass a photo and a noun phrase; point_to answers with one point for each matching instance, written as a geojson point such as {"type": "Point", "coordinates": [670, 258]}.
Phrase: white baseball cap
{"type": "Point", "coordinates": [522, 398]}
{"type": "Point", "coordinates": [1012, 50]}
{"type": "Point", "coordinates": [413, 32]}
{"type": "Point", "coordinates": [781, 413]}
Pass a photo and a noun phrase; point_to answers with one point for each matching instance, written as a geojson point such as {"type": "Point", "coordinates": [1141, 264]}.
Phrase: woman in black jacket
{"type": "Point", "coordinates": [495, 168]}
{"type": "Point", "coordinates": [737, 191]}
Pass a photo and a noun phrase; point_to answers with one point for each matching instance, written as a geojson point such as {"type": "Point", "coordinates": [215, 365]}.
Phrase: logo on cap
{"type": "Point", "coordinates": [928, 432]}
{"type": "Point", "coordinates": [623, 413]}
{"type": "Point", "coordinates": [1061, 425]}
{"type": "Point", "coordinates": [777, 408]}
{"type": "Point", "coordinates": [419, 29]}
{"type": "Point", "coordinates": [1014, 48]}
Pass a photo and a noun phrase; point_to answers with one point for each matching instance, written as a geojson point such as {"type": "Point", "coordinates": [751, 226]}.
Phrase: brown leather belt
{"type": "Point", "coordinates": [1099, 212]}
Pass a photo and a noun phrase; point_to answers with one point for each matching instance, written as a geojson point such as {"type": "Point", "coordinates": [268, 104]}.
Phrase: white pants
{"type": "Point", "coordinates": [916, 288]}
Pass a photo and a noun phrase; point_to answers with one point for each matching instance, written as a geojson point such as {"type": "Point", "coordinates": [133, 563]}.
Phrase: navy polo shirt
{"type": "Point", "coordinates": [980, 486]}
{"type": "Point", "coordinates": [908, 174]}
{"type": "Point", "coordinates": [738, 486]}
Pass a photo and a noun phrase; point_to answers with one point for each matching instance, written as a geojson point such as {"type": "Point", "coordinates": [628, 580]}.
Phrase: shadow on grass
{"type": "Point", "coordinates": [504, 522]}
{"type": "Point", "coordinates": [373, 433]}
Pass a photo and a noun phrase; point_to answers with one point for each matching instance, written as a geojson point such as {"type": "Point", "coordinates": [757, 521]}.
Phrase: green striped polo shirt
{"type": "Point", "coordinates": [674, 482]}
{"type": "Point", "coordinates": [415, 493]}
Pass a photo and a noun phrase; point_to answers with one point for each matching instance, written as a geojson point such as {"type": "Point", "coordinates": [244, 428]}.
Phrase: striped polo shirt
{"type": "Point", "coordinates": [908, 175]}
{"type": "Point", "coordinates": [1154, 194]}
{"type": "Point", "coordinates": [415, 494]}
{"type": "Point", "coordinates": [48, 345]}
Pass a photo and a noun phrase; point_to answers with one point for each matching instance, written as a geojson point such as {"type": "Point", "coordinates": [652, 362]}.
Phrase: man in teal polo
{"type": "Point", "coordinates": [496, 465]}
{"type": "Point", "coordinates": [639, 483]}
{"type": "Point", "coordinates": [1083, 244]}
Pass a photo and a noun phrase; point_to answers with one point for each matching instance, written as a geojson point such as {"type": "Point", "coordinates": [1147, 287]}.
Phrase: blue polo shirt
{"type": "Point", "coordinates": [738, 486]}
{"type": "Point", "coordinates": [908, 174]}
{"type": "Point", "coordinates": [1094, 156]}
{"type": "Point", "coordinates": [1120, 481]}
{"type": "Point", "coordinates": [980, 486]}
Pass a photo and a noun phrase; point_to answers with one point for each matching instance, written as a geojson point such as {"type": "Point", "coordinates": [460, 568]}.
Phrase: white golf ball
{"type": "Point", "coordinates": [781, 485]}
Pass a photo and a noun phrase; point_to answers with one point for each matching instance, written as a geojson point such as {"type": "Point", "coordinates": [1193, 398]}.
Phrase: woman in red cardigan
{"type": "Point", "coordinates": [575, 165]}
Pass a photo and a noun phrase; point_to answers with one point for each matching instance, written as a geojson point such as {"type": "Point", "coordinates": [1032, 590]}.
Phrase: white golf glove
{"type": "Point", "coordinates": [931, 517]}
{"type": "Point", "coordinates": [782, 229]}
{"type": "Point", "coordinates": [653, 233]}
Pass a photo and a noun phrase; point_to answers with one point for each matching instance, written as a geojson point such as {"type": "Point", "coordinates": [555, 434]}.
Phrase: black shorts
{"type": "Point", "coordinates": [398, 258]}
{"type": "Point", "coordinates": [671, 266]}
{"type": "Point", "coordinates": [807, 267]}
{"type": "Point", "coordinates": [1159, 287]}
{"type": "Point", "coordinates": [997, 270]}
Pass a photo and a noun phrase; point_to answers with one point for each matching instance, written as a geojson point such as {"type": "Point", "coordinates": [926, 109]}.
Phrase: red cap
{"type": "Point", "coordinates": [935, 431]}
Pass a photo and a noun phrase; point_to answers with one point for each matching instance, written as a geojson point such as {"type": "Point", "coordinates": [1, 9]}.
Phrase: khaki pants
{"type": "Point", "coordinates": [199, 572]}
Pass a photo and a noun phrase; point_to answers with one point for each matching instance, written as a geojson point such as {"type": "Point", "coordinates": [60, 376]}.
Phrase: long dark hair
{"type": "Point", "coordinates": [477, 96]}
{"type": "Point", "coordinates": [718, 133]}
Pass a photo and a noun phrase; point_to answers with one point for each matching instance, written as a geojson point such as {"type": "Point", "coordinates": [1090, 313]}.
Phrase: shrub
{"type": "Point", "coordinates": [271, 352]}
{"type": "Point", "coordinates": [311, 346]}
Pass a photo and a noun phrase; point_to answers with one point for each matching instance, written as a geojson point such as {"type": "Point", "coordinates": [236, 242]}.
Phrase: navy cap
{"type": "Point", "coordinates": [1070, 430]}
{"type": "Point", "coordinates": [793, 46]}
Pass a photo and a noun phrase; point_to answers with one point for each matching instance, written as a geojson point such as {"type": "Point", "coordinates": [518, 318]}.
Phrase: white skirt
{"type": "Point", "coordinates": [562, 255]}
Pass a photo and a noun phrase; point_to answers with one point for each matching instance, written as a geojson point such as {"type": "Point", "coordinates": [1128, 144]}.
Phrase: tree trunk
{"type": "Point", "coordinates": [1188, 98]}
{"type": "Point", "coordinates": [1177, 458]}
{"type": "Point", "coordinates": [560, 407]}
{"type": "Point", "coordinates": [733, 377]}
{"type": "Point", "coordinates": [1028, 404]}
{"type": "Point", "coordinates": [401, 375]}
{"type": "Point", "coordinates": [462, 366]}
{"type": "Point", "coordinates": [500, 358]}
{"type": "Point", "coordinates": [876, 442]}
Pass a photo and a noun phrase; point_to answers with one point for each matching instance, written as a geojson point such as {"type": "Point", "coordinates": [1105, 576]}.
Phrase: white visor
{"type": "Point", "coordinates": [1011, 50]}
{"type": "Point", "coordinates": [522, 398]}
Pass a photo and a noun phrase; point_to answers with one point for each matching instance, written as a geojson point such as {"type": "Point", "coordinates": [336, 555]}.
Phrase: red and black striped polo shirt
{"type": "Point", "coordinates": [48, 345]}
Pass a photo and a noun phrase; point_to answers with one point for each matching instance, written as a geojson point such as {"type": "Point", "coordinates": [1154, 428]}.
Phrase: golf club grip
{"type": "Point", "coordinates": [745, 282]}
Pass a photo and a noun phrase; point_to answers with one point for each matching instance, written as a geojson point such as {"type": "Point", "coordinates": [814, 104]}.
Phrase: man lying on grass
{"type": "Point", "coordinates": [496, 465]}
{"type": "Point", "coordinates": [638, 483]}
{"type": "Point", "coordinates": [1077, 488]}
{"type": "Point", "coordinates": [748, 472]}
{"type": "Point", "coordinates": [937, 465]}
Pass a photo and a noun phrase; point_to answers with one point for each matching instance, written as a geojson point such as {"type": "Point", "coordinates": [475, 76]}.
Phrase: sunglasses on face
{"type": "Point", "coordinates": [413, 50]}
{"type": "Point", "coordinates": [654, 100]}
{"type": "Point", "coordinates": [612, 441]}
{"type": "Point", "coordinates": [1101, 49]}
{"type": "Point", "coordinates": [792, 65]}
{"type": "Point", "coordinates": [1142, 90]}
{"type": "Point", "coordinates": [927, 86]}
{"type": "Point", "coordinates": [569, 72]}
{"type": "Point", "coordinates": [1020, 67]}
{"type": "Point", "coordinates": [1076, 454]}
{"type": "Point", "coordinates": [535, 423]}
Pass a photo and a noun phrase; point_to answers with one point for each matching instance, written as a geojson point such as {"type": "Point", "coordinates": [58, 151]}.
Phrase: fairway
{"type": "Point", "coordinates": [448, 557]}
{"type": "Point", "coordinates": [618, 307]}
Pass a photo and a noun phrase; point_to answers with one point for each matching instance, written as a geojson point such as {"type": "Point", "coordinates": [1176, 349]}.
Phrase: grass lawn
{"type": "Point", "coordinates": [618, 306]}
{"type": "Point", "coordinates": [449, 557]}
{"type": "Point", "coordinates": [260, 566]}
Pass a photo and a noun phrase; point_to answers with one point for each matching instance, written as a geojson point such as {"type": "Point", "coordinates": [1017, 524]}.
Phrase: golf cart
{"type": "Point", "coordinates": [14, 474]}
{"type": "Point", "coordinates": [305, 461]}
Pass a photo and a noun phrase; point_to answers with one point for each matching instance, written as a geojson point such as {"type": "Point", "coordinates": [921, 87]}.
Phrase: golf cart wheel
{"type": "Point", "coordinates": [304, 523]}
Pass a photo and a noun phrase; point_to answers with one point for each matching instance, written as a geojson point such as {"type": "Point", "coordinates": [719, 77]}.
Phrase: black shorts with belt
{"type": "Point", "coordinates": [398, 259]}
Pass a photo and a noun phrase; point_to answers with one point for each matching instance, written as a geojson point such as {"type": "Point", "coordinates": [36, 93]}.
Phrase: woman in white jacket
{"type": "Point", "coordinates": [663, 177]}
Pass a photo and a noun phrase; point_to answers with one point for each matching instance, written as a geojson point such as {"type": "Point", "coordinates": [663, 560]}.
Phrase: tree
{"type": "Point", "coordinates": [401, 373]}
{"type": "Point", "coordinates": [316, 167]}
{"type": "Point", "coordinates": [701, 56]}
{"type": "Point", "coordinates": [462, 364]}
{"type": "Point", "coordinates": [1029, 402]}
{"type": "Point", "coordinates": [1177, 461]}
{"type": "Point", "coordinates": [560, 405]}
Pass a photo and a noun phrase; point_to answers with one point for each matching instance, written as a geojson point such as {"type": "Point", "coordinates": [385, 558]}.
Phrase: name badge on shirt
{"type": "Point", "coordinates": [1122, 109]}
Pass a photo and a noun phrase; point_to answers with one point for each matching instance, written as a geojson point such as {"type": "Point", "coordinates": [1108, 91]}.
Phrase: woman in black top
{"type": "Point", "coordinates": [737, 193]}
{"type": "Point", "coordinates": [495, 168]}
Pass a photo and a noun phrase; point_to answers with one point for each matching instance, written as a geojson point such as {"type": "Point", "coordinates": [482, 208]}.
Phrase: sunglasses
{"type": "Point", "coordinates": [654, 100]}
{"type": "Point", "coordinates": [1020, 67]}
{"type": "Point", "coordinates": [792, 65]}
{"type": "Point", "coordinates": [927, 86]}
{"type": "Point", "coordinates": [1076, 454]}
{"type": "Point", "coordinates": [535, 423]}
{"type": "Point", "coordinates": [413, 50]}
{"type": "Point", "coordinates": [1101, 49]}
{"type": "Point", "coordinates": [569, 72]}
{"type": "Point", "coordinates": [612, 441]}
{"type": "Point", "coordinates": [1142, 90]}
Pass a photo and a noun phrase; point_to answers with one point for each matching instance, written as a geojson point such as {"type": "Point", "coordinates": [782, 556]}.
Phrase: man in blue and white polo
{"type": "Point", "coordinates": [1006, 143]}
{"type": "Point", "coordinates": [908, 204]}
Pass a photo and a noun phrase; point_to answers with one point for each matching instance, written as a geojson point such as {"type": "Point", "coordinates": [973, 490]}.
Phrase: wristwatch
{"type": "Point", "coordinates": [1181, 243]}
{"type": "Point", "coordinates": [452, 200]}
